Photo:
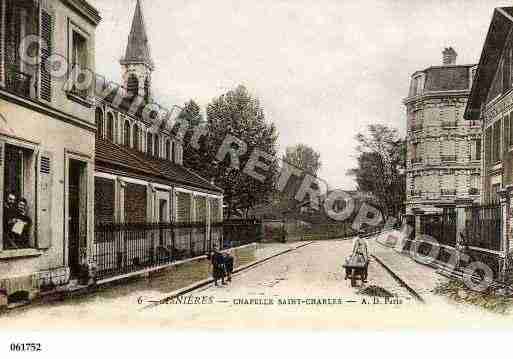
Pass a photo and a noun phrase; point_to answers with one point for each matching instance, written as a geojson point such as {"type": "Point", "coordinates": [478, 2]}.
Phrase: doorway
{"type": "Point", "coordinates": [77, 215]}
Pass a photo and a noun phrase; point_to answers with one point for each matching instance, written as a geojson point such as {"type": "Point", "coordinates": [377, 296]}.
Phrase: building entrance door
{"type": "Point", "coordinates": [77, 215]}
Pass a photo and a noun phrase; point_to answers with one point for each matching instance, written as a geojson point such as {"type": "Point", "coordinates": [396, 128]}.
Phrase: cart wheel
{"type": "Point", "coordinates": [353, 278]}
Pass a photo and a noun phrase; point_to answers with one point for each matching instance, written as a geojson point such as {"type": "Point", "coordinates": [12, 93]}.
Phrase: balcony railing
{"type": "Point", "coordinates": [473, 191]}
{"type": "Point", "coordinates": [415, 128]}
{"type": "Point", "coordinates": [17, 82]}
{"type": "Point", "coordinates": [414, 193]}
{"type": "Point", "coordinates": [449, 124]}
{"type": "Point", "coordinates": [448, 158]}
{"type": "Point", "coordinates": [417, 160]}
{"type": "Point", "coordinates": [448, 192]}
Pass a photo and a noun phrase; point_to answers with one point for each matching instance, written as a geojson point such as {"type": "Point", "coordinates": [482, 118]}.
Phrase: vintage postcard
{"type": "Point", "coordinates": [255, 165]}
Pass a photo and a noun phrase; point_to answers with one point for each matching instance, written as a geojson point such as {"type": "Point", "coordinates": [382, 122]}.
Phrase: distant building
{"type": "Point", "coordinates": [444, 150]}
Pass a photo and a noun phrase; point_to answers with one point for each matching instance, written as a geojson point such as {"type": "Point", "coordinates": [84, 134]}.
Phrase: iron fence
{"type": "Point", "coordinates": [242, 231]}
{"type": "Point", "coordinates": [483, 226]}
{"type": "Point", "coordinates": [122, 248]}
{"type": "Point", "coordinates": [441, 227]}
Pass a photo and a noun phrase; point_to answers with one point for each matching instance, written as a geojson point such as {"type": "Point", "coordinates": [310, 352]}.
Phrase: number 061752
{"type": "Point", "coordinates": [25, 347]}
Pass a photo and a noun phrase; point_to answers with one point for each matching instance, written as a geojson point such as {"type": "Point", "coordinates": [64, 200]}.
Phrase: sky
{"type": "Point", "coordinates": [323, 70]}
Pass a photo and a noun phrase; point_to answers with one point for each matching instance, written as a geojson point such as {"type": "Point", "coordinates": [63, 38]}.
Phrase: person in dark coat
{"type": "Point", "coordinates": [10, 212]}
{"type": "Point", "coordinates": [228, 265]}
{"type": "Point", "coordinates": [218, 268]}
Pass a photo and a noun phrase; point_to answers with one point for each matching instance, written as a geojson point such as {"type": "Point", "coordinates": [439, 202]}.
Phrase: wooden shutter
{"type": "Point", "coordinates": [2, 156]}
{"type": "Point", "coordinates": [2, 42]}
{"type": "Point", "coordinates": [44, 200]}
{"type": "Point", "coordinates": [46, 31]}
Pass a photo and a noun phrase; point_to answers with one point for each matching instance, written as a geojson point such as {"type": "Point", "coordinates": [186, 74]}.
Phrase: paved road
{"type": "Point", "coordinates": [265, 297]}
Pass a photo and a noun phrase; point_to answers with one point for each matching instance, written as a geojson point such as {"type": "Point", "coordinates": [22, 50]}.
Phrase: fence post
{"type": "Point", "coordinates": [505, 199]}
{"type": "Point", "coordinates": [462, 206]}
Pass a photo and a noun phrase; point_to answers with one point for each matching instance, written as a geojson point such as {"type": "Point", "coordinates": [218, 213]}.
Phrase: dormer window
{"type": "Point", "coordinates": [149, 144]}
{"type": "Point", "coordinates": [126, 132]}
{"type": "Point", "coordinates": [99, 123]}
{"type": "Point", "coordinates": [110, 127]}
{"type": "Point", "coordinates": [135, 134]}
{"type": "Point", "coordinates": [168, 150]}
{"type": "Point", "coordinates": [417, 85]}
{"type": "Point", "coordinates": [157, 146]}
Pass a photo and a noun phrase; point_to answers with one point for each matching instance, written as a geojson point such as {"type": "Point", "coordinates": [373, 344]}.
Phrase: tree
{"type": "Point", "coordinates": [198, 160]}
{"type": "Point", "coordinates": [381, 162]}
{"type": "Point", "coordinates": [309, 161]}
{"type": "Point", "coordinates": [304, 157]}
{"type": "Point", "coordinates": [239, 114]}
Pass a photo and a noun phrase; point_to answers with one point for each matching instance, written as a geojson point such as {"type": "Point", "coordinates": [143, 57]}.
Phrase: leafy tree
{"type": "Point", "coordinates": [308, 160]}
{"type": "Point", "coordinates": [198, 160]}
{"type": "Point", "coordinates": [304, 157]}
{"type": "Point", "coordinates": [381, 162]}
{"type": "Point", "coordinates": [239, 114]}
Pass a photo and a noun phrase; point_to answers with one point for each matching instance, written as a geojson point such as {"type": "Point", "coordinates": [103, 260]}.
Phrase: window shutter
{"type": "Point", "coordinates": [2, 42]}
{"type": "Point", "coordinates": [2, 148]}
{"type": "Point", "coordinates": [44, 203]}
{"type": "Point", "coordinates": [46, 31]}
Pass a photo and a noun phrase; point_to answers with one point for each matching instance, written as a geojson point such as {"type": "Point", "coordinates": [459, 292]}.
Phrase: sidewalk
{"type": "Point", "coordinates": [421, 278]}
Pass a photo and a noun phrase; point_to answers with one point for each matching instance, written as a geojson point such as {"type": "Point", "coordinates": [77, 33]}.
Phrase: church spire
{"type": "Point", "coordinates": [138, 48]}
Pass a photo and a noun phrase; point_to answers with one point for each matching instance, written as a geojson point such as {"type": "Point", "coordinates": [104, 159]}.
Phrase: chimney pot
{"type": "Point", "coordinates": [449, 56]}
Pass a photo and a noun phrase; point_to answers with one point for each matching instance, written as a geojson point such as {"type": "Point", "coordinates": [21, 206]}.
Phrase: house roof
{"type": "Point", "coordinates": [138, 47]}
{"type": "Point", "coordinates": [115, 158]}
{"type": "Point", "coordinates": [500, 26]}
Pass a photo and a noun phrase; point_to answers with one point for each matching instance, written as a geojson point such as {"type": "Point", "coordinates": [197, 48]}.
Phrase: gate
{"type": "Point", "coordinates": [483, 226]}
{"type": "Point", "coordinates": [441, 227]}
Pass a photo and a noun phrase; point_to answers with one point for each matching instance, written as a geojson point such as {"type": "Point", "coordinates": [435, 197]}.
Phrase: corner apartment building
{"type": "Point", "coordinates": [444, 150]}
{"type": "Point", "coordinates": [47, 141]}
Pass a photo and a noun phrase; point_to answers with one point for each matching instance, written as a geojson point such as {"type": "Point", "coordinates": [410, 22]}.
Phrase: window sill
{"type": "Point", "coordinates": [19, 253]}
{"type": "Point", "coordinates": [86, 102]}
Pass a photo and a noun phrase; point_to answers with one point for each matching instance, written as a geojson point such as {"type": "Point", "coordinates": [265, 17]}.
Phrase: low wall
{"type": "Point", "coordinates": [174, 276]}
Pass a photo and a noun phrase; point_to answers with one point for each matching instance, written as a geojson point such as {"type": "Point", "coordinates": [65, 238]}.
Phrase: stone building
{"type": "Point", "coordinates": [444, 151]}
{"type": "Point", "coordinates": [47, 141]}
{"type": "Point", "coordinates": [74, 158]}
{"type": "Point", "coordinates": [139, 173]}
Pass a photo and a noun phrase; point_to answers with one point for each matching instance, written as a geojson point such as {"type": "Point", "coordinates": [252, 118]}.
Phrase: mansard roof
{"type": "Point", "coordinates": [138, 47]}
{"type": "Point", "coordinates": [500, 26]}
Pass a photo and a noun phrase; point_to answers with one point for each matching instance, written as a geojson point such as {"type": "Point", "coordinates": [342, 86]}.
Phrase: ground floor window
{"type": "Point", "coordinates": [18, 197]}
{"type": "Point", "coordinates": [135, 203]}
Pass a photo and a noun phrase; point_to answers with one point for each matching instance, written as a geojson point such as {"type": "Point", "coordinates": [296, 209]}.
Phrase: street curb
{"type": "Point", "coordinates": [401, 281]}
{"type": "Point", "coordinates": [210, 280]}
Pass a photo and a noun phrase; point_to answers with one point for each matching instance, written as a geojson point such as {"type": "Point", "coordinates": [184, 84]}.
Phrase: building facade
{"type": "Point", "coordinates": [73, 160]}
{"type": "Point", "coordinates": [47, 142]}
{"type": "Point", "coordinates": [140, 179]}
{"type": "Point", "coordinates": [443, 150]}
{"type": "Point", "coordinates": [491, 103]}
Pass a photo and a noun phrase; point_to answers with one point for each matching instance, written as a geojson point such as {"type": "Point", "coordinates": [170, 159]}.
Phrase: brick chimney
{"type": "Point", "coordinates": [449, 56]}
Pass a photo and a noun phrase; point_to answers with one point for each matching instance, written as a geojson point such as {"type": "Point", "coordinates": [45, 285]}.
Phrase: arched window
{"type": "Point", "coordinates": [99, 123]}
{"type": "Point", "coordinates": [110, 127]}
{"type": "Point", "coordinates": [149, 143]}
{"type": "Point", "coordinates": [168, 150]}
{"type": "Point", "coordinates": [147, 84]}
{"type": "Point", "coordinates": [132, 85]}
{"type": "Point", "coordinates": [157, 146]}
{"type": "Point", "coordinates": [126, 131]}
{"type": "Point", "coordinates": [135, 141]}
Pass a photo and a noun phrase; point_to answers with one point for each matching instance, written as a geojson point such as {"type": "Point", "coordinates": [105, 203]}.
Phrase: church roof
{"type": "Point", "coordinates": [138, 47]}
